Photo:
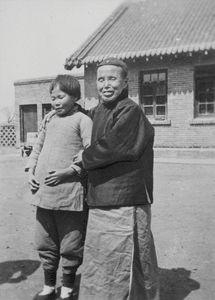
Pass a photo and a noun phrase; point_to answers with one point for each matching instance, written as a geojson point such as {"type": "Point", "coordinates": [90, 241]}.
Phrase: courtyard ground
{"type": "Point", "coordinates": [183, 225]}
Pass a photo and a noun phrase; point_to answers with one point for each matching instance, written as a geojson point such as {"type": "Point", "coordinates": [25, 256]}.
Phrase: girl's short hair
{"type": "Point", "coordinates": [67, 84]}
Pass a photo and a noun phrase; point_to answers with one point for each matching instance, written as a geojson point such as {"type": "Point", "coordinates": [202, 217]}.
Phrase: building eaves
{"type": "Point", "coordinates": [145, 53]}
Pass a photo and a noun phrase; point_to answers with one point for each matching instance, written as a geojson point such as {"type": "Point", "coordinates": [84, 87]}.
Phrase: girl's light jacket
{"type": "Point", "coordinates": [58, 141]}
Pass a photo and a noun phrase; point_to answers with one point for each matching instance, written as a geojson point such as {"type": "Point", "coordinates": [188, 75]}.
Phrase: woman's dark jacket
{"type": "Point", "coordinates": [120, 158]}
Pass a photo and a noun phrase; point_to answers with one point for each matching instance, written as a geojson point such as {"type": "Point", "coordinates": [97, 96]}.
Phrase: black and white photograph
{"type": "Point", "coordinates": [107, 149]}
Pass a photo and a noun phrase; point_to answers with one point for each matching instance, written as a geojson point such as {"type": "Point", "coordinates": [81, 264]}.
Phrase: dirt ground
{"type": "Point", "coordinates": [183, 225]}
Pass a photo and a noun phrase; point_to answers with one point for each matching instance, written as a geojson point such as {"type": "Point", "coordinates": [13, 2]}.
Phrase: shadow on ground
{"type": "Point", "coordinates": [176, 284]}
{"type": "Point", "coordinates": [18, 270]}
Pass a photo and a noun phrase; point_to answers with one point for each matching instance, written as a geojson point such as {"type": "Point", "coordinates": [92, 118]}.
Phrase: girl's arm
{"type": "Point", "coordinates": [86, 125]}
{"type": "Point", "coordinates": [32, 162]}
{"type": "Point", "coordinates": [32, 181]}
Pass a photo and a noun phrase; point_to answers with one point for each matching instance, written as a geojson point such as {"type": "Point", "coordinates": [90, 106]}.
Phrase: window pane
{"type": "Point", "coordinates": [162, 76]}
{"type": "Point", "coordinates": [210, 98]}
{"type": "Point", "coordinates": [146, 77]}
{"type": "Point", "coordinates": [202, 108]}
{"type": "Point", "coordinates": [209, 86]}
{"type": "Point", "coordinates": [202, 98]}
{"type": "Point", "coordinates": [210, 108]}
{"type": "Point", "coordinates": [154, 76]}
{"type": "Point", "coordinates": [201, 86]}
{"type": "Point", "coordinates": [160, 100]}
{"type": "Point", "coordinates": [148, 110]}
{"type": "Point", "coordinates": [205, 85]}
{"type": "Point", "coordinates": [148, 89]}
{"type": "Point", "coordinates": [161, 88]}
{"type": "Point", "coordinates": [148, 100]}
{"type": "Point", "coordinates": [160, 110]}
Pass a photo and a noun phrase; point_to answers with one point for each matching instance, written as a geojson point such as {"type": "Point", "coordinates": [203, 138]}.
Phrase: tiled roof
{"type": "Point", "coordinates": [148, 28]}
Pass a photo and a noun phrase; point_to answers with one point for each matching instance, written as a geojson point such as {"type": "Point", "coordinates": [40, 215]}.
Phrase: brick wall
{"type": "Point", "coordinates": [180, 129]}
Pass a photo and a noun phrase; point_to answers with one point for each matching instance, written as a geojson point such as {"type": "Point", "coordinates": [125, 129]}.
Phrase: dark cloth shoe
{"type": "Point", "coordinates": [51, 296]}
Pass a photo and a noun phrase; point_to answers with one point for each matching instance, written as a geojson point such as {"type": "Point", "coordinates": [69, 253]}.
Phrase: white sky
{"type": "Point", "coordinates": [37, 36]}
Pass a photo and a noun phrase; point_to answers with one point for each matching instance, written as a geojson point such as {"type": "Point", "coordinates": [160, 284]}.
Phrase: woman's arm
{"type": "Point", "coordinates": [126, 141]}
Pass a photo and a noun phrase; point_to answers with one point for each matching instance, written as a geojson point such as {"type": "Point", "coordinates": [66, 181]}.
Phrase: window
{"type": "Point", "coordinates": [153, 93]}
{"type": "Point", "coordinates": [205, 91]}
{"type": "Point", "coordinates": [46, 108]}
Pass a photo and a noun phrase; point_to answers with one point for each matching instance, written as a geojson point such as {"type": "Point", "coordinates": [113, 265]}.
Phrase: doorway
{"type": "Point", "coordinates": [28, 121]}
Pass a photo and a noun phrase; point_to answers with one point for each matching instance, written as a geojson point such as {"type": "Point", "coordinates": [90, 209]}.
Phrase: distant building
{"type": "Point", "coordinates": [169, 47]}
{"type": "Point", "coordinates": [32, 102]}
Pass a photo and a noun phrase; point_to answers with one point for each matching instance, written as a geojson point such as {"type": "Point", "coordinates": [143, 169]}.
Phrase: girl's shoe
{"type": "Point", "coordinates": [51, 296]}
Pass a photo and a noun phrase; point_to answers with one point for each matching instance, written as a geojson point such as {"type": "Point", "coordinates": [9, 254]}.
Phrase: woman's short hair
{"type": "Point", "coordinates": [115, 62]}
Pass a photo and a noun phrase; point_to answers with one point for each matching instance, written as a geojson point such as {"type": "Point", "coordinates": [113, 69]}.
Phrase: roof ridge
{"type": "Point", "coordinates": [92, 39]}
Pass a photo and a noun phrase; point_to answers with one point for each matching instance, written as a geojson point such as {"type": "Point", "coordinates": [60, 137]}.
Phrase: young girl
{"type": "Point", "coordinates": [58, 189]}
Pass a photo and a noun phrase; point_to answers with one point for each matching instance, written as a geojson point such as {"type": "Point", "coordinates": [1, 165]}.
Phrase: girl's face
{"type": "Point", "coordinates": [62, 103]}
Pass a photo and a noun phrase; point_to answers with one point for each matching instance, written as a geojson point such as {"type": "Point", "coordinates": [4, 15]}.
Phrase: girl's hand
{"type": "Point", "coordinates": [55, 177]}
{"type": "Point", "coordinates": [33, 182]}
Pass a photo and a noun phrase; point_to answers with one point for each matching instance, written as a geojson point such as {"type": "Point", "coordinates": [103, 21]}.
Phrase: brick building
{"type": "Point", "coordinates": [169, 47]}
{"type": "Point", "coordinates": [32, 102]}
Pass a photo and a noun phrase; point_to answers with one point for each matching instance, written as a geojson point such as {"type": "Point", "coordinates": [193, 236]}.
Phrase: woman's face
{"type": "Point", "coordinates": [61, 102]}
{"type": "Point", "coordinates": [110, 82]}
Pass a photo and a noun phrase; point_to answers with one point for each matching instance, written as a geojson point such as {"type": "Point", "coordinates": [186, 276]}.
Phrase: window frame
{"type": "Point", "coordinates": [154, 105]}
{"type": "Point", "coordinates": [200, 73]}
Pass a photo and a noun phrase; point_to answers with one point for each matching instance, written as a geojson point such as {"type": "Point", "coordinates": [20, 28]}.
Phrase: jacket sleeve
{"type": "Point", "coordinates": [124, 142]}
{"type": "Point", "coordinates": [32, 162]}
{"type": "Point", "coordinates": [86, 131]}
{"type": "Point", "coordinates": [85, 134]}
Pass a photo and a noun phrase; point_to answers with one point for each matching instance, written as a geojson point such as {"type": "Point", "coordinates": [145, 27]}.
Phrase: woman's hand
{"type": "Point", "coordinates": [56, 176]}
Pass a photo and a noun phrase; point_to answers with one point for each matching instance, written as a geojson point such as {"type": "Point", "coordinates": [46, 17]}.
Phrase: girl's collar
{"type": "Point", "coordinates": [72, 112]}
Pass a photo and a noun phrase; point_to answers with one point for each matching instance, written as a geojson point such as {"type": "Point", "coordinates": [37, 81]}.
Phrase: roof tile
{"type": "Point", "coordinates": [151, 27]}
